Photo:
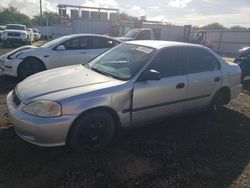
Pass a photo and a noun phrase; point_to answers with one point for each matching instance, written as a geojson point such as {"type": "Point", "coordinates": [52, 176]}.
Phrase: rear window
{"type": "Point", "coordinates": [200, 60]}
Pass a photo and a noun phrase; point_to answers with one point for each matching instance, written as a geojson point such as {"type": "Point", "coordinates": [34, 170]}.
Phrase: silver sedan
{"type": "Point", "coordinates": [133, 83]}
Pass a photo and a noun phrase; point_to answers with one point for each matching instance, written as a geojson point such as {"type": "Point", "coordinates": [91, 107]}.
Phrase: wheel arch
{"type": "Point", "coordinates": [30, 57]}
{"type": "Point", "coordinates": [226, 90]}
{"type": "Point", "coordinates": [104, 108]}
{"type": "Point", "coordinates": [25, 59]}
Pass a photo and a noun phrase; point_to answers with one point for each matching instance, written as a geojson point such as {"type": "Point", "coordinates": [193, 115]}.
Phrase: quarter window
{"type": "Point", "coordinates": [201, 60]}
{"type": "Point", "coordinates": [170, 62]}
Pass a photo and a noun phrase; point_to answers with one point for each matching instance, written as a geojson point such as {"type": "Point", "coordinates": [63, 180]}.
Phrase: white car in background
{"type": "Point", "coordinates": [1, 32]}
{"type": "Point", "coordinates": [31, 35]}
{"type": "Point", "coordinates": [67, 50]}
{"type": "Point", "coordinates": [15, 34]}
{"type": "Point", "coordinates": [37, 34]}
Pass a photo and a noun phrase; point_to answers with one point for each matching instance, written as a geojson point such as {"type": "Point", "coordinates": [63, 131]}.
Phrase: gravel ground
{"type": "Point", "coordinates": [199, 150]}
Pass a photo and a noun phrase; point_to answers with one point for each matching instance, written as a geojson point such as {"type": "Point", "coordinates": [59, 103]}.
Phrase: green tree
{"type": "Point", "coordinates": [12, 16]}
{"type": "Point", "coordinates": [214, 26]}
{"type": "Point", "coordinates": [51, 17]}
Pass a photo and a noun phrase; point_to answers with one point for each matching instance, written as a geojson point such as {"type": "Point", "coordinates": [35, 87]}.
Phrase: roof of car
{"type": "Point", "coordinates": [92, 35]}
{"type": "Point", "coordinates": [16, 24]}
{"type": "Point", "coordinates": [160, 43]}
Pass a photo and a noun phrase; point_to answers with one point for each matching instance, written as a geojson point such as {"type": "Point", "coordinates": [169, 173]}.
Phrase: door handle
{"type": "Point", "coordinates": [180, 85]}
{"type": "Point", "coordinates": [217, 79]}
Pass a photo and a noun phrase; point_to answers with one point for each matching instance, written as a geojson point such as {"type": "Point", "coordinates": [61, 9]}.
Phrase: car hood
{"type": "Point", "coordinates": [22, 48]}
{"type": "Point", "coordinates": [16, 31]}
{"type": "Point", "coordinates": [60, 83]}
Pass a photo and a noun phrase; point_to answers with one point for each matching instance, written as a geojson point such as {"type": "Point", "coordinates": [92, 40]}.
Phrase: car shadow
{"type": "Point", "coordinates": [201, 150]}
{"type": "Point", "coordinates": [7, 83]}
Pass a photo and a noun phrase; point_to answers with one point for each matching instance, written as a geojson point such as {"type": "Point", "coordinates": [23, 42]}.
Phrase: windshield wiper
{"type": "Point", "coordinates": [99, 71]}
{"type": "Point", "coordinates": [107, 74]}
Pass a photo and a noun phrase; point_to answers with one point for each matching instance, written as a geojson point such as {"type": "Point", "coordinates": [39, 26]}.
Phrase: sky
{"type": "Point", "coordinates": [179, 12]}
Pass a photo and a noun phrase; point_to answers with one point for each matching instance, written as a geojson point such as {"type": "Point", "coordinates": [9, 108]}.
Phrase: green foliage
{"type": "Point", "coordinates": [51, 17]}
{"type": "Point", "coordinates": [13, 16]}
{"type": "Point", "coordinates": [214, 26]}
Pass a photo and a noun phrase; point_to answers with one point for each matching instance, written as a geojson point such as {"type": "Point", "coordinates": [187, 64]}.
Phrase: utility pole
{"type": "Point", "coordinates": [41, 13]}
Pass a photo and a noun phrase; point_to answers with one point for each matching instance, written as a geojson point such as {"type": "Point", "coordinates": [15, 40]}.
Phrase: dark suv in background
{"type": "Point", "coordinates": [243, 59]}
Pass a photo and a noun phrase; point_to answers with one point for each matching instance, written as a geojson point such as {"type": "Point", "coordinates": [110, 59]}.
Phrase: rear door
{"type": "Point", "coordinates": [204, 77]}
{"type": "Point", "coordinates": [157, 99]}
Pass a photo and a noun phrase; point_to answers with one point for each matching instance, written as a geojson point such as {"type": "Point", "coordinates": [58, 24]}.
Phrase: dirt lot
{"type": "Point", "coordinates": [200, 150]}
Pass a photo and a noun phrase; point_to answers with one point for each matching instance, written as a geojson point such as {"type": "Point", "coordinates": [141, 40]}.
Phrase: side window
{"type": "Point", "coordinates": [201, 60]}
{"type": "Point", "coordinates": [144, 35]}
{"type": "Point", "coordinates": [100, 42]}
{"type": "Point", "coordinates": [84, 43]}
{"type": "Point", "coordinates": [72, 44]}
{"type": "Point", "coordinates": [170, 62]}
{"type": "Point", "coordinates": [96, 42]}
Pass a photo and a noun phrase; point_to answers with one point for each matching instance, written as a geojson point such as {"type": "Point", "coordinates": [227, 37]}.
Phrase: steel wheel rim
{"type": "Point", "coordinates": [93, 132]}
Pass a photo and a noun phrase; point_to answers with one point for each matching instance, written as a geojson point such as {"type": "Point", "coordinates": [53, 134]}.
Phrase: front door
{"type": "Point", "coordinates": [157, 99]}
{"type": "Point", "coordinates": [76, 52]}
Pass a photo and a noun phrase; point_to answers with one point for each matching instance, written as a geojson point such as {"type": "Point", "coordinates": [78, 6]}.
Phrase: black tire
{"type": "Point", "coordinates": [92, 131]}
{"type": "Point", "coordinates": [218, 101]}
{"type": "Point", "coordinates": [30, 66]}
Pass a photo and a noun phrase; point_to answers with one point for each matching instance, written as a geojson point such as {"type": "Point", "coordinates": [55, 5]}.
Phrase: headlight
{"type": "Point", "coordinates": [43, 108]}
{"type": "Point", "coordinates": [4, 35]}
{"type": "Point", "coordinates": [23, 35]}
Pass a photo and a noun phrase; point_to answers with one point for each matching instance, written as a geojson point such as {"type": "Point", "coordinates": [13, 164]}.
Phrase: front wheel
{"type": "Point", "coordinates": [29, 66]}
{"type": "Point", "coordinates": [92, 131]}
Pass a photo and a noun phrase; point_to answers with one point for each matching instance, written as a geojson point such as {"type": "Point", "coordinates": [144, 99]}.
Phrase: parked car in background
{"type": "Point", "coordinates": [15, 34]}
{"type": "Point", "coordinates": [243, 59]}
{"type": "Point", "coordinates": [37, 34]}
{"type": "Point", "coordinates": [68, 50]}
{"type": "Point", "coordinates": [1, 31]}
{"type": "Point", "coordinates": [138, 34]}
{"type": "Point", "coordinates": [31, 35]}
{"type": "Point", "coordinates": [134, 83]}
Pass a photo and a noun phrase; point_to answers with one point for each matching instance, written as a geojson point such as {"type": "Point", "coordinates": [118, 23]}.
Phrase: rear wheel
{"type": "Point", "coordinates": [30, 66]}
{"type": "Point", "coordinates": [218, 101]}
{"type": "Point", "coordinates": [92, 131]}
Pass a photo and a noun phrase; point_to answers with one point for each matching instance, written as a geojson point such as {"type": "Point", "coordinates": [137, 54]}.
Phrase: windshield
{"type": "Point", "coordinates": [132, 33]}
{"type": "Point", "coordinates": [15, 27]}
{"type": "Point", "coordinates": [122, 62]}
{"type": "Point", "coordinates": [53, 42]}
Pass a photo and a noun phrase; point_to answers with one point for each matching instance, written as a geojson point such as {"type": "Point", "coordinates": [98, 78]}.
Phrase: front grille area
{"type": "Point", "coordinates": [15, 99]}
{"type": "Point", "coordinates": [12, 34]}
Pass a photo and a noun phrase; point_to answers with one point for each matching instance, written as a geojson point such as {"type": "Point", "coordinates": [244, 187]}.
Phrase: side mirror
{"type": "Point", "coordinates": [60, 47]}
{"type": "Point", "coordinates": [150, 75]}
